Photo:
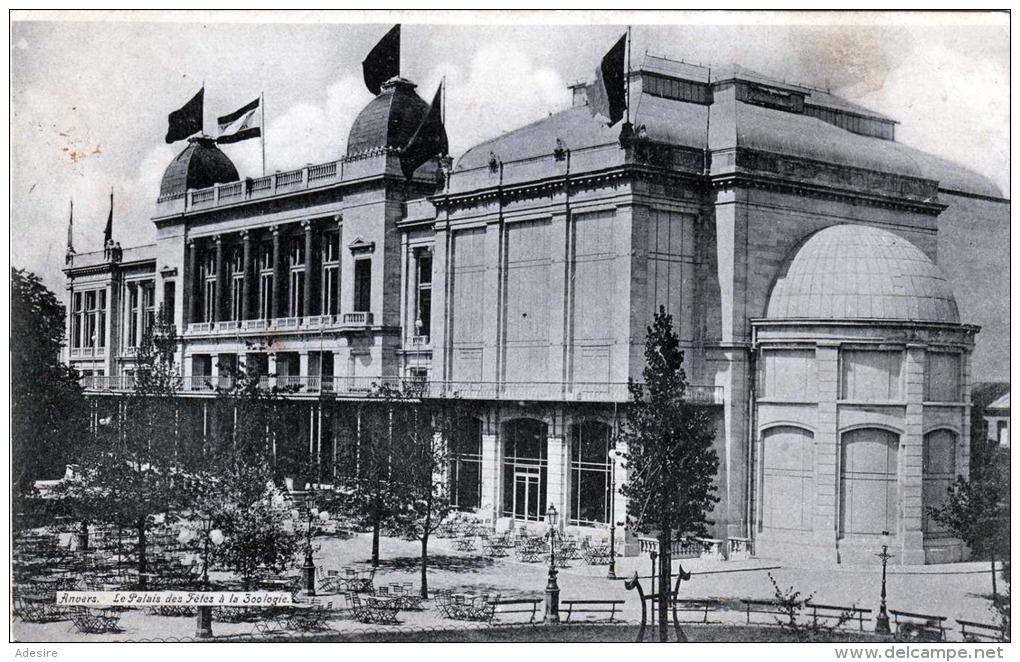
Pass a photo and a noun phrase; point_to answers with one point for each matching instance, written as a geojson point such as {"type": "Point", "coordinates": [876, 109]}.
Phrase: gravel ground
{"type": "Point", "coordinates": [956, 591]}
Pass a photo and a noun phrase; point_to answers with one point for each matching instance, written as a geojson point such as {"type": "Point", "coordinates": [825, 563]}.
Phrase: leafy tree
{"type": "Point", "coordinates": [364, 467]}
{"type": "Point", "coordinates": [247, 504]}
{"type": "Point", "coordinates": [977, 512]}
{"type": "Point", "coordinates": [670, 460]}
{"type": "Point", "coordinates": [48, 410]}
{"type": "Point", "coordinates": [133, 470]}
{"type": "Point", "coordinates": [422, 429]}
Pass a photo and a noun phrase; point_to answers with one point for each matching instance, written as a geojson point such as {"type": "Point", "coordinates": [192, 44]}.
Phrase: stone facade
{"type": "Point", "coordinates": [522, 279]}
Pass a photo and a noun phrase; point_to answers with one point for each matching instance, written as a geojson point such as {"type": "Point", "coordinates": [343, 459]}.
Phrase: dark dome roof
{"type": "Point", "coordinates": [862, 272]}
{"type": "Point", "coordinates": [389, 120]}
{"type": "Point", "coordinates": [200, 165]}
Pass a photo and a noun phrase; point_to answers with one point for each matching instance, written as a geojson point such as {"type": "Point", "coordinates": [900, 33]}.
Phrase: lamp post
{"type": "Point", "coordinates": [308, 569]}
{"type": "Point", "coordinates": [552, 589]}
{"type": "Point", "coordinates": [214, 536]}
{"type": "Point", "coordinates": [614, 455]}
{"type": "Point", "coordinates": [882, 620]}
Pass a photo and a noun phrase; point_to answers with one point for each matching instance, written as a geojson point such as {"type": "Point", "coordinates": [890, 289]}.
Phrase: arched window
{"type": "Point", "coordinates": [868, 490]}
{"type": "Point", "coordinates": [788, 479]}
{"type": "Point", "coordinates": [939, 472]}
{"type": "Point", "coordinates": [466, 464]}
{"type": "Point", "coordinates": [525, 463]}
{"type": "Point", "coordinates": [590, 472]}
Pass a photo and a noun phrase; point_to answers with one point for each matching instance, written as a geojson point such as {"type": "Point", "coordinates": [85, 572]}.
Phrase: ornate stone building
{"type": "Point", "coordinates": [794, 241]}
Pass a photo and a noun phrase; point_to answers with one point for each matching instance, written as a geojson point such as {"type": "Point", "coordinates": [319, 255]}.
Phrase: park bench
{"type": "Point", "coordinates": [772, 608]}
{"type": "Point", "coordinates": [702, 606]}
{"type": "Point", "coordinates": [912, 626]}
{"type": "Point", "coordinates": [974, 631]}
{"type": "Point", "coordinates": [597, 607]}
{"type": "Point", "coordinates": [837, 614]}
{"type": "Point", "coordinates": [520, 606]}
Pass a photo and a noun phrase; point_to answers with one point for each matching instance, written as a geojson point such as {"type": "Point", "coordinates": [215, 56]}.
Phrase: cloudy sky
{"type": "Point", "coordinates": [91, 97]}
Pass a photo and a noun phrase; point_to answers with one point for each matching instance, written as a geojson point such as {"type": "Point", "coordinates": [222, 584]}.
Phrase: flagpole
{"type": "Point", "coordinates": [627, 79]}
{"type": "Point", "coordinates": [262, 133]}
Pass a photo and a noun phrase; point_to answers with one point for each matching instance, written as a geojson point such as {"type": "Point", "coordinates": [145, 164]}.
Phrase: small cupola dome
{"type": "Point", "coordinates": [389, 120]}
{"type": "Point", "coordinates": [200, 165]}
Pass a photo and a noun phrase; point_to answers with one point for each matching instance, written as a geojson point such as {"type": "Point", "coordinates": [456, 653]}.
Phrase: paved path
{"type": "Point", "coordinates": [956, 591]}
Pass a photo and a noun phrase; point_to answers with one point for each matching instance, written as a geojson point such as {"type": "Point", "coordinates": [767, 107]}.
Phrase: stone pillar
{"type": "Point", "coordinates": [109, 331]}
{"type": "Point", "coordinates": [190, 286]}
{"type": "Point", "coordinates": [248, 276]}
{"type": "Point", "coordinates": [303, 368]}
{"type": "Point", "coordinates": [911, 452]}
{"type": "Point", "coordinates": [277, 274]}
{"type": "Point", "coordinates": [827, 445]}
{"type": "Point", "coordinates": [492, 471]}
{"type": "Point", "coordinates": [557, 492]}
{"type": "Point", "coordinates": [311, 270]}
{"type": "Point", "coordinates": [963, 443]}
{"type": "Point", "coordinates": [272, 368]}
{"type": "Point", "coordinates": [220, 312]}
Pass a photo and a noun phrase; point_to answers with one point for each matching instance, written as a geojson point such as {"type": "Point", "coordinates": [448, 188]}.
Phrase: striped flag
{"type": "Point", "coordinates": [242, 124]}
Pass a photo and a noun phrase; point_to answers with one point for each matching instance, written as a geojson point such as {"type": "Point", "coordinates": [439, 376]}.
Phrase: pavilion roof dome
{"type": "Point", "coordinates": [389, 120]}
{"type": "Point", "coordinates": [200, 165]}
{"type": "Point", "coordinates": [861, 272]}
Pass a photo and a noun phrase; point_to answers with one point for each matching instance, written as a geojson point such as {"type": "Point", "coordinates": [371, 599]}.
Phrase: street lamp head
{"type": "Point", "coordinates": [885, 539]}
{"type": "Point", "coordinates": [551, 516]}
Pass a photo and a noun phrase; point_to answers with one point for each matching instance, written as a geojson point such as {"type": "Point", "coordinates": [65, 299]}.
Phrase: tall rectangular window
{"type": "Point", "coordinates": [148, 307]}
{"type": "Point", "coordinates": [265, 265]}
{"type": "Point", "coordinates": [330, 273]}
{"type": "Point", "coordinates": [209, 287]}
{"type": "Point", "coordinates": [77, 307]}
{"type": "Point", "coordinates": [423, 295]}
{"type": "Point", "coordinates": [101, 319]}
{"type": "Point", "coordinates": [132, 331]}
{"type": "Point", "coordinates": [90, 320]}
{"type": "Point", "coordinates": [169, 299]}
{"type": "Point", "coordinates": [236, 284]}
{"type": "Point", "coordinates": [296, 284]}
{"type": "Point", "coordinates": [363, 285]}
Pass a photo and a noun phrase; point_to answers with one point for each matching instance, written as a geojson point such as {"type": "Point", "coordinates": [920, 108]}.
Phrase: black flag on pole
{"type": "Point", "coordinates": [383, 61]}
{"type": "Point", "coordinates": [186, 120]}
{"type": "Point", "coordinates": [108, 230]}
{"type": "Point", "coordinates": [429, 140]}
{"type": "Point", "coordinates": [607, 96]}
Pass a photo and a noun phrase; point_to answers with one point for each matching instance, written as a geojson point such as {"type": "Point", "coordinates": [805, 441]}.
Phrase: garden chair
{"type": "Point", "coordinates": [358, 609]}
{"type": "Point", "coordinates": [95, 621]}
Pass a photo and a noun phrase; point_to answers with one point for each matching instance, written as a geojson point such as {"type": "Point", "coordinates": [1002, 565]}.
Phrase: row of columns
{"type": "Point", "coordinates": [221, 308]}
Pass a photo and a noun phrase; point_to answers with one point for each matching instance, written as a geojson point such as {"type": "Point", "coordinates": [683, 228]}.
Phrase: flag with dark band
{"type": "Point", "coordinates": [187, 120]}
{"type": "Point", "coordinates": [428, 141]}
{"type": "Point", "coordinates": [242, 124]}
{"type": "Point", "coordinates": [607, 96]}
{"type": "Point", "coordinates": [383, 62]}
{"type": "Point", "coordinates": [108, 230]}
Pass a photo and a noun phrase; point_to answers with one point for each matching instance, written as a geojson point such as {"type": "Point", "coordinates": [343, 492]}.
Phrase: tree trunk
{"type": "Point", "coordinates": [141, 554]}
{"type": "Point", "coordinates": [664, 584]}
{"type": "Point", "coordinates": [425, 565]}
{"type": "Point", "coordinates": [376, 526]}
{"type": "Point", "coordinates": [995, 586]}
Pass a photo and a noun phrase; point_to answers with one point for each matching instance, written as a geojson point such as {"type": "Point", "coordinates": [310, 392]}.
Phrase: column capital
{"type": "Point", "coordinates": [275, 230]}
{"type": "Point", "coordinates": [338, 218]}
{"type": "Point", "coordinates": [245, 235]}
{"type": "Point", "coordinates": [218, 239]}
{"type": "Point", "coordinates": [307, 225]}
{"type": "Point", "coordinates": [192, 243]}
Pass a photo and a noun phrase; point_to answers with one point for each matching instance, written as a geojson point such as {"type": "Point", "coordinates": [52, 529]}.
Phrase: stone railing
{"type": "Point", "coordinates": [357, 319]}
{"type": "Point", "coordinates": [701, 548]}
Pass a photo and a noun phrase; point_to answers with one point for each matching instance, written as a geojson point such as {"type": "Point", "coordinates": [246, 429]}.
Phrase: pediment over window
{"type": "Point", "coordinates": [359, 246]}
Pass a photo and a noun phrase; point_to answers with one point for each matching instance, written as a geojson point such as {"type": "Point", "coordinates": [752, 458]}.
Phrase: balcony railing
{"type": "Point", "coordinates": [357, 319]}
{"type": "Point", "coordinates": [361, 386]}
{"type": "Point", "coordinates": [87, 352]}
{"type": "Point", "coordinates": [419, 342]}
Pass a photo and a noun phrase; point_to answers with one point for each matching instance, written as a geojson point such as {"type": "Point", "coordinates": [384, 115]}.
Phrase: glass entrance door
{"type": "Point", "coordinates": [527, 499]}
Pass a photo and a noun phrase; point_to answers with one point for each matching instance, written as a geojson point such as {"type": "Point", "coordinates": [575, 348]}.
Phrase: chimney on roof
{"type": "Point", "coordinates": [579, 90]}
